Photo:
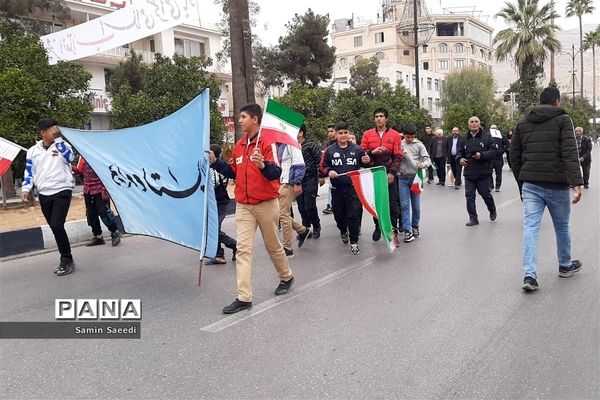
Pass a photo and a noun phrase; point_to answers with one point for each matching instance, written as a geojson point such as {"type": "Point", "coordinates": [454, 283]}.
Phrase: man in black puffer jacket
{"type": "Point", "coordinates": [545, 162]}
{"type": "Point", "coordinates": [476, 156]}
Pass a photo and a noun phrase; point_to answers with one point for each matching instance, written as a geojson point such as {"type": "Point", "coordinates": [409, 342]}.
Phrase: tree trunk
{"type": "Point", "coordinates": [552, 60]}
{"type": "Point", "coordinates": [594, 114]}
{"type": "Point", "coordinates": [241, 57]}
{"type": "Point", "coordinates": [581, 58]}
{"type": "Point", "coordinates": [8, 184]}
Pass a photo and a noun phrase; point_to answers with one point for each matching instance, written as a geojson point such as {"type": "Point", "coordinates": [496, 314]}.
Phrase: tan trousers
{"type": "Point", "coordinates": [248, 217]}
{"type": "Point", "coordinates": [286, 198]}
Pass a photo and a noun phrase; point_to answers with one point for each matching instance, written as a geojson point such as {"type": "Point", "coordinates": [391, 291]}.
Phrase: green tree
{"type": "Point", "coordinates": [168, 85]}
{"type": "Point", "coordinates": [365, 79]}
{"type": "Point", "coordinates": [591, 41]}
{"type": "Point", "coordinates": [401, 105]}
{"type": "Point", "coordinates": [530, 37]}
{"type": "Point", "coordinates": [579, 8]}
{"type": "Point", "coordinates": [354, 109]}
{"type": "Point", "coordinates": [268, 68]}
{"type": "Point", "coordinates": [471, 89]}
{"type": "Point", "coordinates": [306, 56]}
{"type": "Point", "coordinates": [312, 102]}
{"type": "Point", "coordinates": [17, 10]}
{"type": "Point", "coordinates": [132, 71]}
{"type": "Point", "coordinates": [224, 54]}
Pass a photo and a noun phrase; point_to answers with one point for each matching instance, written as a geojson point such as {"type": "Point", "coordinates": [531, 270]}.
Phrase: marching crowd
{"type": "Point", "coordinates": [546, 153]}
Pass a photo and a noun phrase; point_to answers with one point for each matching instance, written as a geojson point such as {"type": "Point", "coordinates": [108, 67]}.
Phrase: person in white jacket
{"type": "Point", "coordinates": [48, 168]}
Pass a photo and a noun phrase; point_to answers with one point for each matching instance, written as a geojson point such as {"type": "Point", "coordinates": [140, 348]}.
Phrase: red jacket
{"type": "Point", "coordinates": [391, 140]}
{"type": "Point", "coordinates": [252, 185]}
{"type": "Point", "coordinates": [91, 183]}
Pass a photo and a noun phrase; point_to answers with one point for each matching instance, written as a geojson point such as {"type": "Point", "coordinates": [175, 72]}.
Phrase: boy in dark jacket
{"type": "Point", "coordinates": [338, 159]}
{"type": "Point", "coordinates": [223, 200]}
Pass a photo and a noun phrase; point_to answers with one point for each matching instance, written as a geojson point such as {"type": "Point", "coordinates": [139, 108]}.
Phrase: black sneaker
{"type": "Point", "coordinates": [66, 266]}
{"type": "Point", "coordinates": [408, 237]}
{"type": "Point", "coordinates": [95, 241]}
{"type": "Point", "coordinates": [289, 253]}
{"type": "Point", "coordinates": [284, 287]}
{"type": "Point", "coordinates": [344, 237]}
{"type": "Point", "coordinates": [376, 235]}
{"type": "Point", "coordinates": [237, 306]}
{"type": "Point", "coordinates": [233, 257]}
{"type": "Point", "coordinates": [497, 190]}
{"type": "Point", "coordinates": [115, 238]}
{"type": "Point", "coordinates": [493, 215]}
{"type": "Point", "coordinates": [316, 232]}
{"type": "Point", "coordinates": [354, 249]}
{"type": "Point", "coordinates": [302, 237]}
{"type": "Point", "coordinates": [530, 284]}
{"type": "Point", "coordinates": [565, 272]}
{"type": "Point", "coordinates": [415, 232]}
{"type": "Point", "coordinates": [328, 210]}
{"type": "Point", "coordinates": [472, 222]}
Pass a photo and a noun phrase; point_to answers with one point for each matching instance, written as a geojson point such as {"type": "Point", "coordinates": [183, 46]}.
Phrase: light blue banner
{"type": "Point", "coordinates": [158, 175]}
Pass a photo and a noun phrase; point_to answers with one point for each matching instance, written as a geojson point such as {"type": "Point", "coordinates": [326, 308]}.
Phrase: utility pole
{"type": "Point", "coordinates": [573, 58]}
{"type": "Point", "coordinates": [240, 37]}
{"type": "Point", "coordinates": [416, 46]}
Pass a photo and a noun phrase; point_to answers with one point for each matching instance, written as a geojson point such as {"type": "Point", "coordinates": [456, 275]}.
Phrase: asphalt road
{"type": "Point", "coordinates": [441, 317]}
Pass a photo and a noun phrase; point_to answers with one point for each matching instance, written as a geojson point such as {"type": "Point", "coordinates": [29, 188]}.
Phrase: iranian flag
{"type": "Point", "coordinates": [371, 186]}
{"type": "Point", "coordinates": [280, 124]}
{"type": "Point", "coordinates": [418, 186]}
{"type": "Point", "coordinates": [8, 152]}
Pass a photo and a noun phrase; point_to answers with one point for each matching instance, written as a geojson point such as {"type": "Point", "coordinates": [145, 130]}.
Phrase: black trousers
{"type": "Point", "coordinates": [96, 208]}
{"type": "Point", "coordinates": [430, 173]}
{"type": "Point", "coordinates": [508, 158]}
{"type": "Point", "coordinates": [347, 211]}
{"type": "Point", "coordinates": [498, 164]}
{"type": "Point", "coordinates": [307, 203]}
{"type": "Point", "coordinates": [395, 214]}
{"type": "Point", "coordinates": [482, 187]}
{"type": "Point", "coordinates": [440, 164]}
{"type": "Point", "coordinates": [224, 239]}
{"type": "Point", "coordinates": [55, 208]}
{"type": "Point", "coordinates": [586, 166]}
{"type": "Point", "coordinates": [456, 170]}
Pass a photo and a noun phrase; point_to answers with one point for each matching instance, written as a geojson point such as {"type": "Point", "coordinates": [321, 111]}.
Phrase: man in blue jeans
{"type": "Point", "coordinates": [545, 162]}
{"type": "Point", "coordinates": [415, 156]}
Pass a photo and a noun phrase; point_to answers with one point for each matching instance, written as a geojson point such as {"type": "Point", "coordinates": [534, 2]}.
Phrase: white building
{"type": "Point", "coordinates": [195, 39]}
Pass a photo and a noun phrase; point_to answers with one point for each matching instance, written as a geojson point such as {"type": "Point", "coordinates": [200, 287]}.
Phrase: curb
{"type": "Point", "coordinates": [41, 238]}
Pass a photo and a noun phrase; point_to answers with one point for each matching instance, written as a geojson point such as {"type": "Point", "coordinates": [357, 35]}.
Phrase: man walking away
{"type": "Point", "coordinates": [584, 146]}
{"type": "Point", "coordinates": [502, 143]}
{"type": "Point", "coordinates": [545, 162]}
{"type": "Point", "coordinates": [307, 200]}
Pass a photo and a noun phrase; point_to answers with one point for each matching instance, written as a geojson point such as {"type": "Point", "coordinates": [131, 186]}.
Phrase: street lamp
{"type": "Point", "coordinates": [573, 54]}
{"type": "Point", "coordinates": [415, 29]}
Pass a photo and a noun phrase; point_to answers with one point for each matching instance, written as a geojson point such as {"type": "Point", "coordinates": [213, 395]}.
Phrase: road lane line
{"type": "Point", "coordinates": [278, 300]}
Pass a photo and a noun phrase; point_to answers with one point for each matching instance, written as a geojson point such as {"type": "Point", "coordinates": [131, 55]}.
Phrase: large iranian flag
{"type": "Point", "coordinates": [280, 124]}
{"type": "Point", "coordinates": [371, 186]}
{"type": "Point", "coordinates": [8, 152]}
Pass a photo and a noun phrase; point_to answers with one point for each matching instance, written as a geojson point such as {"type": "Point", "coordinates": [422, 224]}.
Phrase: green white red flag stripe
{"type": "Point", "coordinates": [418, 185]}
{"type": "Point", "coordinates": [280, 124]}
{"type": "Point", "coordinates": [371, 186]}
{"type": "Point", "coordinates": [8, 152]}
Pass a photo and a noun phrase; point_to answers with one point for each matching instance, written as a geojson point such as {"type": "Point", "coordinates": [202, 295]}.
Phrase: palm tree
{"type": "Point", "coordinates": [528, 40]}
{"type": "Point", "coordinates": [591, 40]}
{"type": "Point", "coordinates": [580, 8]}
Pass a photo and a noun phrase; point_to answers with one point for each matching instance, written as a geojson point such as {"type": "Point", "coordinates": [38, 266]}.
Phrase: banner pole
{"type": "Point", "coordinates": [3, 193]}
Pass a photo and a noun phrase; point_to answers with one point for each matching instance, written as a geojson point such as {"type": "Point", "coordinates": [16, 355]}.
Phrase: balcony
{"type": "Point", "coordinates": [116, 55]}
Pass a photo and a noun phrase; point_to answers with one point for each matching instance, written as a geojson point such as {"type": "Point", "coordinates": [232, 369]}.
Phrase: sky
{"type": "Point", "coordinates": [275, 14]}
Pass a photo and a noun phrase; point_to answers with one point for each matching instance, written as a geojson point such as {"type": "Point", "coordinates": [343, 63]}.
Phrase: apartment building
{"type": "Point", "coordinates": [193, 39]}
{"type": "Point", "coordinates": [458, 41]}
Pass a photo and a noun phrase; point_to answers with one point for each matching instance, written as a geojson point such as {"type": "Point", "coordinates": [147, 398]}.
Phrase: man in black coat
{"type": "Point", "coordinates": [545, 162]}
{"type": "Point", "coordinates": [584, 146]}
{"type": "Point", "coordinates": [427, 137]}
{"type": "Point", "coordinates": [455, 143]}
{"type": "Point", "coordinates": [438, 152]}
{"type": "Point", "coordinates": [502, 142]}
{"type": "Point", "coordinates": [476, 157]}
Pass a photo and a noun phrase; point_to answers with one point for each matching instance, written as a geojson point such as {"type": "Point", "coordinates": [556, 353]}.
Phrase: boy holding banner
{"type": "Point", "coordinates": [256, 171]}
{"type": "Point", "coordinates": [339, 159]}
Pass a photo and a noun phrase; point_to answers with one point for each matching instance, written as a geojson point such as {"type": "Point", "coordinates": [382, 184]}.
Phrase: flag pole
{"type": "Point", "coordinates": [3, 193]}
{"type": "Point", "coordinates": [200, 273]}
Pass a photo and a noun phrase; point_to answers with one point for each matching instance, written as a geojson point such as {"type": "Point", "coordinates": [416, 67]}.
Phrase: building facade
{"type": "Point", "coordinates": [193, 39]}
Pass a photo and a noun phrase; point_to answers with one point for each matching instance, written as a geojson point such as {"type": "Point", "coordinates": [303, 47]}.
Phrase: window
{"type": "Point", "coordinates": [473, 49]}
{"type": "Point", "coordinates": [380, 55]}
{"type": "Point", "coordinates": [437, 104]}
{"type": "Point", "coordinates": [379, 37]}
{"type": "Point", "coordinates": [343, 62]}
{"type": "Point", "coordinates": [459, 48]}
{"type": "Point", "coordinates": [426, 65]}
{"type": "Point", "coordinates": [189, 48]}
{"type": "Point", "coordinates": [429, 83]}
{"type": "Point", "coordinates": [406, 52]}
{"type": "Point", "coordinates": [472, 63]}
{"type": "Point", "coordinates": [459, 64]}
{"type": "Point", "coordinates": [437, 85]}
{"type": "Point", "coordinates": [358, 58]}
{"type": "Point", "coordinates": [429, 103]}
{"type": "Point", "coordinates": [425, 47]}
{"type": "Point", "coordinates": [357, 41]}
{"type": "Point", "coordinates": [481, 53]}
{"type": "Point", "coordinates": [152, 46]}
{"type": "Point", "coordinates": [442, 48]}
{"type": "Point", "coordinates": [108, 74]}
{"type": "Point", "coordinates": [442, 64]}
